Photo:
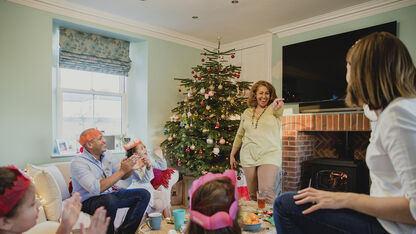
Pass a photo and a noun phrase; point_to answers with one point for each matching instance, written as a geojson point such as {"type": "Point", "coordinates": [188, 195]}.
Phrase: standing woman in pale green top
{"type": "Point", "coordinates": [259, 139]}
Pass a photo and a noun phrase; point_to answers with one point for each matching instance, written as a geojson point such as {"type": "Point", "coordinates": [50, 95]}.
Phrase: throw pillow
{"type": "Point", "coordinates": [48, 190]}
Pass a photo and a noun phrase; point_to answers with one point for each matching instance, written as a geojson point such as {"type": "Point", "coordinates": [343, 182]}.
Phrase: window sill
{"type": "Point", "coordinates": [71, 155]}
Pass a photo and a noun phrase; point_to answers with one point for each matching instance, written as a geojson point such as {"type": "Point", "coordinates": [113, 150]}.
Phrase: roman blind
{"type": "Point", "coordinates": [91, 52]}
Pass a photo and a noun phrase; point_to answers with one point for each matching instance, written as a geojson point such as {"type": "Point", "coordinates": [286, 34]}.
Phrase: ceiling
{"type": "Point", "coordinates": [232, 22]}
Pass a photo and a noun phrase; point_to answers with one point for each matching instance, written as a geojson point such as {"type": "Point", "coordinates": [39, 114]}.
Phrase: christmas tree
{"type": "Point", "coordinates": [201, 131]}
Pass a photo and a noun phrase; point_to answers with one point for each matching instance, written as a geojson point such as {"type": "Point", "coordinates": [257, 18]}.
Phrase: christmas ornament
{"type": "Point", "coordinates": [180, 90]}
{"type": "Point", "coordinates": [192, 72]}
{"type": "Point", "coordinates": [200, 152]}
{"type": "Point", "coordinates": [210, 141]}
{"type": "Point", "coordinates": [216, 150]}
{"type": "Point", "coordinates": [211, 93]}
{"type": "Point", "coordinates": [202, 60]}
{"type": "Point", "coordinates": [189, 114]}
{"type": "Point", "coordinates": [205, 130]}
{"type": "Point", "coordinates": [190, 95]}
{"type": "Point", "coordinates": [238, 178]}
{"type": "Point", "coordinates": [187, 126]}
{"type": "Point", "coordinates": [179, 162]}
{"type": "Point", "coordinates": [202, 90]}
{"type": "Point", "coordinates": [195, 76]}
{"type": "Point", "coordinates": [202, 103]}
{"type": "Point", "coordinates": [222, 116]}
{"type": "Point", "coordinates": [205, 54]}
{"type": "Point", "coordinates": [219, 87]}
{"type": "Point", "coordinates": [222, 141]}
{"type": "Point", "coordinates": [210, 59]}
{"type": "Point", "coordinates": [209, 69]}
{"type": "Point", "coordinates": [208, 118]}
{"type": "Point", "coordinates": [206, 96]}
{"type": "Point", "coordinates": [174, 135]}
{"type": "Point", "coordinates": [199, 78]}
{"type": "Point", "coordinates": [165, 132]}
{"type": "Point", "coordinates": [192, 147]}
{"type": "Point", "coordinates": [217, 124]}
{"type": "Point", "coordinates": [211, 87]}
{"type": "Point", "coordinates": [208, 107]}
{"type": "Point", "coordinates": [232, 101]}
{"type": "Point", "coordinates": [232, 56]}
{"type": "Point", "coordinates": [187, 150]}
{"type": "Point", "coordinates": [229, 129]}
{"type": "Point", "coordinates": [169, 138]}
{"type": "Point", "coordinates": [228, 98]}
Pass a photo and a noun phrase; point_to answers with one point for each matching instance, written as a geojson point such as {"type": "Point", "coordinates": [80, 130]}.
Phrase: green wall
{"type": "Point", "coordinates": [26, 83]}
{"type": "Point", "coordinates": [406, 18]}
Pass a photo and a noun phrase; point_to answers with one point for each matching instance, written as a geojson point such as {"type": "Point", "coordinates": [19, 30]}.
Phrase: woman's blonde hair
{"type": "Point", "coordinates": [252, 101]}
{"type": "Point", "coordinates": [381, 70]}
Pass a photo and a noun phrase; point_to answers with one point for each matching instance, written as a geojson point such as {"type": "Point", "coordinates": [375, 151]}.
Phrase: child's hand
{"type": "Point", "coordinates": [139, 162]}
{"type": "Point", "coordinates": [99, 223]}
{"type": "Point", "coordinates": [146, 161]}
{"type": "Point", "coordinates": [70, 214]}
{"type": "Point", "coordinates": [278, 103]}
{"type": "Point", "coordinates": [159, 153]}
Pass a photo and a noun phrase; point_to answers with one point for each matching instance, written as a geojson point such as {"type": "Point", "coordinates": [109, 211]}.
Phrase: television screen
{"type": "Point", "coordinates": [314, 71]}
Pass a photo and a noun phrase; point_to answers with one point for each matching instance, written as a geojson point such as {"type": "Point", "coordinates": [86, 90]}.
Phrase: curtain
{"type": "Point", "coordinates": [92, 52]}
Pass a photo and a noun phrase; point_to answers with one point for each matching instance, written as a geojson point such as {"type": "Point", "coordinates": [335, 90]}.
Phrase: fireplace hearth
{"type": "Point", "coordinates": [315, 154]}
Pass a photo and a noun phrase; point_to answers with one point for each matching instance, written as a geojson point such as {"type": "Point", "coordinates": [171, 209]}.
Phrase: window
{"type": "Point", "coordinates": [90, 100]}
{"type": "Point", "coordinates": [90, 86]}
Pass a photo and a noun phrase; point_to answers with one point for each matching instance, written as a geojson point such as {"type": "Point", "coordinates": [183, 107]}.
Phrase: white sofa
{"type": "Point", "coordinates": [52, 188]}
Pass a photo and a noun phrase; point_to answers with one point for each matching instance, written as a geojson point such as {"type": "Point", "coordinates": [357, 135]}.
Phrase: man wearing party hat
{"type": "Point", "coordinates": [95, 172]}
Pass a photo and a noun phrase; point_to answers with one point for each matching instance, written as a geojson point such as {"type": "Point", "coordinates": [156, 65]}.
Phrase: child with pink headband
{"type": "Point", "coordinates": [19, 208]}
{"type": "Point", "coordinates": [214, 204]}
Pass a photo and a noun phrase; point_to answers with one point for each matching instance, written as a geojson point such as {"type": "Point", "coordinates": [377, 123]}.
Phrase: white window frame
{"type": "Point", "coordinates": [59, 102]}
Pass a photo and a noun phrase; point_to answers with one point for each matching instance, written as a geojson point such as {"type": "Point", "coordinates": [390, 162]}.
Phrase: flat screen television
{"type": "Point", "coordinates": [314, 71]}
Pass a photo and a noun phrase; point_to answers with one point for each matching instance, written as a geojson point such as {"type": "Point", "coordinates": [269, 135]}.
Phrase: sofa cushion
{"type": "Point", "coordinates": [48, 190]}
{"type": "Point", "coordinates": [48, 227]}
{"type": "Point", "coordinates": [63, 187]}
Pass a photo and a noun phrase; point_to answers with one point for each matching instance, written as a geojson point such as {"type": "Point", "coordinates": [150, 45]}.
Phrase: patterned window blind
{"type": "Point", "coordinates": [92, 52]}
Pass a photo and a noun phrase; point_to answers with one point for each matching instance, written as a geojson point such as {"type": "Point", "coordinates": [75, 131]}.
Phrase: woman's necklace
{"type": "Point", "coordinates": [257, 118]}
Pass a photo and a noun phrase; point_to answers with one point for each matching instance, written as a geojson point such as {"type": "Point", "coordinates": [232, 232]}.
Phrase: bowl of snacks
{"type": "Point", "coordinates": [251, 223]}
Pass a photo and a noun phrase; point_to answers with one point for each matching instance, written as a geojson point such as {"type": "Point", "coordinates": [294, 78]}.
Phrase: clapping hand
{"type": "Point", "coordinates": [70, 213]}
{"type": "Point", "coordinates": [129, 164]}
{"type": "Point", "coordinates": [146, 161]}
{"type": "Point", "coordinates": [278, 103]}
{"type": "Point", "coordinates": [99, 223]}
{"type": "Point", "coordinates": [159, 153]}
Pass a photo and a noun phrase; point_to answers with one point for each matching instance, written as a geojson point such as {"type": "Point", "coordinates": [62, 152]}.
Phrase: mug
{"type": "Point", "coordinates": [154, 221]}
{"type": "Point", "coordinates": [178, 218]}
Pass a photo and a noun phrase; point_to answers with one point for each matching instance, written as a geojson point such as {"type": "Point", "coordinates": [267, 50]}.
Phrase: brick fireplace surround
{"type": "Point", "coordinates": [307, 136]}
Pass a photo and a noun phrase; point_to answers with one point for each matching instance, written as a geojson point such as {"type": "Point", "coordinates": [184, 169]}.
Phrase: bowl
{"type": "Point", "coordinates": [252, 227]}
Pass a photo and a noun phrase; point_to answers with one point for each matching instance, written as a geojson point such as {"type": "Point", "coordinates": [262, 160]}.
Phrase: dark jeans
{"type": "Point", "coordinates": [288, 218]}
{"type": "Point", "coordinates": [136, 199]}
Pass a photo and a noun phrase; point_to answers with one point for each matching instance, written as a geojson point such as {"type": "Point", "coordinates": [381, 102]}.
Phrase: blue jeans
{"type": "Point", "coordinates": [136, 199]}
{"type": "Point", "coordinates": [288, 218]}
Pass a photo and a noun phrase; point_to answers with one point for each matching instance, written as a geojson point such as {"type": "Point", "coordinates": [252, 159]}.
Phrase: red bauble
{"type": "Point", "coordinates": [203, 60]}
{"type": "Point", "coordinates": [238, 76]}
{"type": "Point", "coordinates": [208, 118]}
{"type": "Point", "coordinates": [239, 178]}
{"type": "Point", "coordinates": [188, 150]}
{"type": "Point", "coordinates": [202, 102]}
{"type": "Point", "coordinates": [210, 59]}
{"type": "Point", "coordinates": [206, 92]}
{"type": "Point", "coordinates": [229, 129]}
{"type": "Point", "coordinates": [200, 152]}
{"type": "Point", "coordinates": [193, 72]}
{"type": "Point", "coordinates": [205, 54]}
{"type": "Point", "coordinates": [232, 56]}
{"type": "Point", "coordinates": [209, 70]}
{"type": "Point", "coordinates": [180, 90]}
{"type": "Point", "coordinates": [238, 72]}
{"type": "Point", "coordinates": [226, 71]}
{"type": "Point", "coordinates": [199, 78]}
{"type": "Point", "coordinates": [195, 76]}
